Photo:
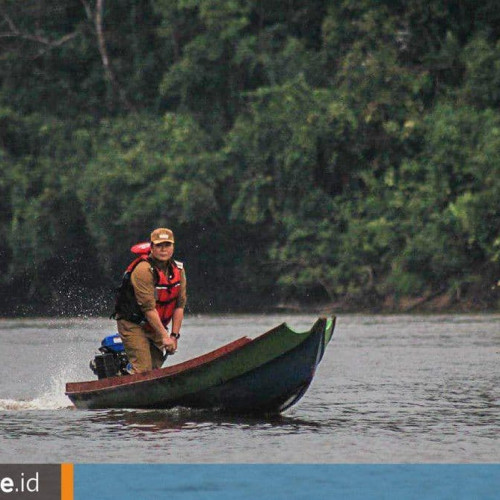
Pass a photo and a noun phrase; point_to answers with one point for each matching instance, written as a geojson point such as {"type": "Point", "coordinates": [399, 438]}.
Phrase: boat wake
{"type": "Point", "coordinates": [52, 397]}
{"type": "Point", "coordinates": [34, 404]}
{"type": "Point", "coordinates": [41, 403]}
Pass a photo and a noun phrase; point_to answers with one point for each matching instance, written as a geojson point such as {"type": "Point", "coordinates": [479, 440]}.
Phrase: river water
{"type": "Point", "coordinates": [412, 389]}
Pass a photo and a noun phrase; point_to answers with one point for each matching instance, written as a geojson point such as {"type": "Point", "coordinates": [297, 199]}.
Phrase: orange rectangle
{"type": "Point", "coordinates": [66, 481]}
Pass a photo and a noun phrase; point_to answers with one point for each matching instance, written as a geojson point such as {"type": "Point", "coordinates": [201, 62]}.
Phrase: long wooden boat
{"type": "Point", "coordinates": [265, 375]}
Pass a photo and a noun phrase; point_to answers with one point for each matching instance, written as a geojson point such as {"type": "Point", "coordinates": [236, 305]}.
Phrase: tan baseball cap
{"type": "Point", "coordinates": [161, 235]}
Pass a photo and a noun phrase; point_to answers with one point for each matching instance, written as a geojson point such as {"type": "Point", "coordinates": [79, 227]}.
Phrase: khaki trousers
{"type": "Point", "coordinates": [143, 347]}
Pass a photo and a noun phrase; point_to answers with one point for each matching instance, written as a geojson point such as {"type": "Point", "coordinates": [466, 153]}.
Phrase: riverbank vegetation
{"type": "Point", "coordinates": [304, 152]}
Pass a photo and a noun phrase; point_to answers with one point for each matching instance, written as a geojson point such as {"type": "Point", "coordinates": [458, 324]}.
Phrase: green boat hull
{"type": "Point", "coordinates": [265, 375]}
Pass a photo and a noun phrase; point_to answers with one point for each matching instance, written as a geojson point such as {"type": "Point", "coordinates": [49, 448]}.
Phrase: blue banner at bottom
{"type": "Point", "coordinates": [279, 481]}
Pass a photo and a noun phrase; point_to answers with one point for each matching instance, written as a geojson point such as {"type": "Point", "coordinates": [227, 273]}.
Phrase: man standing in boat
{"type": "Point", "coordinates": [152, 294]}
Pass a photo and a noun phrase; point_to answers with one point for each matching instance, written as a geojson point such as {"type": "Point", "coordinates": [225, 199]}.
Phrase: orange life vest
{"type": "Point", "coordinates": [167, 288]}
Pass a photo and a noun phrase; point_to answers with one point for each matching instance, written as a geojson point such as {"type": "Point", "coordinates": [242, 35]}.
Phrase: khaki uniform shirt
{"type": "Point", "coordinates": [142, 279]}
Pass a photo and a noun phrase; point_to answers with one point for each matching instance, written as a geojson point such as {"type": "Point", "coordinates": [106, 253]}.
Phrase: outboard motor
{"type": "Point", "coordinates": [113, 360]}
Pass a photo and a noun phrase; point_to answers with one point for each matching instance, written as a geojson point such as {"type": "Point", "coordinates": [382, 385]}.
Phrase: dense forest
{"type": "Point", "coordinates": [305, 152]}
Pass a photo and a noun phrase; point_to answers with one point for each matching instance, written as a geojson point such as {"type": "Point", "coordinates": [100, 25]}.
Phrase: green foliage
{"type": "Point", "coordinates": [482, 77]}
{"type": "Point", "coordinates": [145, 171]}
{"type": "Point", "coordinates": [451, 213]}
{"type": "Point", "coordinates": [45, 242]}
{"type": "Point", "coordinates": [302, 151]}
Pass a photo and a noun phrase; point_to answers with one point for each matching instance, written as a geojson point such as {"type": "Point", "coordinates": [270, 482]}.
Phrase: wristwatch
{"type": "Point", "coordinates": [175, 335]}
